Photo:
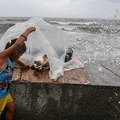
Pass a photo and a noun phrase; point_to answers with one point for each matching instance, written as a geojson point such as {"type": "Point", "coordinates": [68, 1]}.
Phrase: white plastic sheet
{"type": "Point", "coordinates": [45, 40]}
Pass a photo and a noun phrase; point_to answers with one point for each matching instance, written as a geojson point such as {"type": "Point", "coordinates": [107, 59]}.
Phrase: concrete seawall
{"type": "Point", "coordinates": [46, 101]}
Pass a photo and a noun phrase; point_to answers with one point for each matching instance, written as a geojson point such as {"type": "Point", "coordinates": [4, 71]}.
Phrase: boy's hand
{"type": "Point", "coordinates": [26, 65]}
{"type": "Point", "coordinates": [21, 63]}
{"type": "Point", "coordinates": [30, 29]}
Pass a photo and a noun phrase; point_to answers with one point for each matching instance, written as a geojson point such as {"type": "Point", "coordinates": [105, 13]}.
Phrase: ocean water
{"type": "Point", "coordinates": [93, 40]}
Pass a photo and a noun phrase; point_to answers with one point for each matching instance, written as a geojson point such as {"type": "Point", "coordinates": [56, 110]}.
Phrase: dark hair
{"type": "Point", "coordinates": [21, 49]}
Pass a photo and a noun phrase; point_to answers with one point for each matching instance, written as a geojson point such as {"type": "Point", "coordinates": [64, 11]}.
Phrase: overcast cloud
{"type": "Point", "coordinates": [61, 8]}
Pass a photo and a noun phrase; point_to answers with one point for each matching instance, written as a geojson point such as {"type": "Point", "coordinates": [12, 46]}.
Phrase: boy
{"type": "Point", "coordinates": [11, 54]}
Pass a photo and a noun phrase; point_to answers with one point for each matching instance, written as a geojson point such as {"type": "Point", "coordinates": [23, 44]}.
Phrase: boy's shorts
{"type": "Point", "coordinates": [4, 101]}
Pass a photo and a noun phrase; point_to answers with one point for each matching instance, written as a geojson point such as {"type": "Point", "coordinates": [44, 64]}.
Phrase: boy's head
{"type": "Point", "coordinates": [16, 54]}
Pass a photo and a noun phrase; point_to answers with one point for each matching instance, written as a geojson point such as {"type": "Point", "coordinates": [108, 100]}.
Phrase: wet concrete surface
{"type": "Point", "coordinates": [44, 101]}
{"type": "Point", "coordinates": [103, 73]}
{"type": "Point", "coordinates": [75, 76]}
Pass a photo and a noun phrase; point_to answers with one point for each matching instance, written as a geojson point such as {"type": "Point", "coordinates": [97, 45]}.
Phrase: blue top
{"type": "Point", "coordinates": [6, 78]}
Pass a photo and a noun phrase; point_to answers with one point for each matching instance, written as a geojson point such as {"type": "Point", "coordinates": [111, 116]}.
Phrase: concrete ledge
{"type": "Point", "coordinates": [47, 101]}
{"type": "Point", "coordinates": [74, 76]}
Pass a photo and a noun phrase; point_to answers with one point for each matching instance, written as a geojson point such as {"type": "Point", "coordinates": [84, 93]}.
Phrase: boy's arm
{"type": "Point", "coordinates": [20, 62]}
{"type": "Point", "coordinates": [17, 44]}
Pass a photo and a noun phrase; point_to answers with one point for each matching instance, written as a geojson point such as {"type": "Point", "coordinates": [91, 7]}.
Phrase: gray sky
{"type": "Point", "coordinates": [60, 8]}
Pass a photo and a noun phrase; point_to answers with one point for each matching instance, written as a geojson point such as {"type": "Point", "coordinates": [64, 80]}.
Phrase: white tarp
{"type": "Point", "coordinates": [45, 40]}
